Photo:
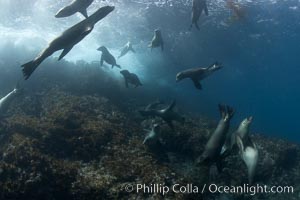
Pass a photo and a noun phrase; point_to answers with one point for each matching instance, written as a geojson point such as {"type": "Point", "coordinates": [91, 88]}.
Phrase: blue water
{"type": "Point", "coordinates": [260, 54]}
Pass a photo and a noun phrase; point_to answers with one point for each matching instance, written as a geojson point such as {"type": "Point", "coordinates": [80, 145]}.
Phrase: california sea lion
{"type": "Point", "coordinates": [107, 57]}
{"type": "Point", "coordinates": [198, 7]}
{"type": "Point", "coordinates": [6, 100]}
{"type": "Point", "coordinates": [152, 134]}
{"type": "Point", "coordinates": [131, 78]}
{"type": "Point", "coordinates": [249, 154]}
{"type": "Point", "coordinates": [157, 40]}
{"type": "Point", "coordinates": [242, 132]}
{"type": "Point", "coordinates": [74, 7]}
{"type": "Point", "coordinates": [239, 12]}
{"type": "Point", "coordinates": [198, 74]}
{"type": "Point", "coordinates": [154, 105]}
{"type": "Point", "coordinates": [167, 114]}
{"type": "Point", "coordinates": [214, 145]}
{"type": "Point", "coordinates": [67, 39]}
{"type": "Point", "coordinates": [128, 47]}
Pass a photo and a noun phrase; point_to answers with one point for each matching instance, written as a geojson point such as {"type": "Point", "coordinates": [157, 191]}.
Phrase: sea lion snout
{"type": "Point", "coordinates": [179, 77]}
{"type": "Point", "coordinates": [102, 48]}
{"type": "Point", "coordinates": [250, 118]}
{"type": "Point", "coordinates": [124, 72]}
{"type": "Point", "coordinates": [217, 66]}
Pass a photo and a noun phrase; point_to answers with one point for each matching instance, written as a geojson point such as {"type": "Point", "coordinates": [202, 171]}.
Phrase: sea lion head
{"type": "Point", "coordinates": [124, 72]}
{"type": "Point", "coordinates": [102, 48]}
{"type": "Point", "coordinates": [156, 127]}
{"type": "Point", "coordinates": [216, 66]}
{"type": "Point", "coordinates": [157, 32]}
{"type": "Point", "coordinates": [180, 76]}
{"type": "Point", "coordinates": [246, 123]}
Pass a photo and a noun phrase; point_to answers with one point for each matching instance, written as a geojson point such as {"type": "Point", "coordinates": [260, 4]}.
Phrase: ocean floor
{"type": "Point", "coordinates": [59, 145]}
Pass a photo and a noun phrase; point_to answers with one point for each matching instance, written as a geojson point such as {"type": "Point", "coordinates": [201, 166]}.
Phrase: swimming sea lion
{"type": "Point", "coordinates": [167, 114]}
{"type": "Point", "coordinates": [107, 57]}
{"type": "Point", "coordinates": [239, 13]}
{"type": "Point", "coordinates": [249, 154]}
{"type": "Point", "coordinates": [74, 7]}
{"type": "Point", "coordinates": [67, 39]}
{"type": "Point", "coordinates": [152, 134]}
{"type": "Point", "coordinates": [214, 145]}
{"type": "Point", "coordinates": [128, 47]}
{"type": "Point", "coordinates": [198, 7]}
{"type": "Point", "coordinates": [244, 126]}
{"type": "Point", "coordinates": [131, 78]}
{"type": "Point", "coordinates": [242, 132]}
{"type": "Point", "coordinates": [198, 74]}
{"type": "Point", "coordinates": [154, 105]}
{"type": "Point", "coordinates": [157, 40]}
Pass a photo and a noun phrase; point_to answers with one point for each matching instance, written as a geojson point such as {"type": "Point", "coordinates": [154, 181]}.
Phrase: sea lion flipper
{"type": "Point", "coordinates": [222, 110]}
{"type": "Point", "coordinates": [197, 84]}
{"type": "Point", "coordinates": [84, 13]}
{"type": "Point", "coordinates": [28, 68]}
{"type": "Point", "coordinates": [240, 143]}
{"type": "Point", "coordinates": [119, 66]}
{"type": "Point", "coordinates": [65, 52]}
{"type": "Point", "coordinates": [229, 111]}
{"type": "Point", "coordinates": [126, 83]}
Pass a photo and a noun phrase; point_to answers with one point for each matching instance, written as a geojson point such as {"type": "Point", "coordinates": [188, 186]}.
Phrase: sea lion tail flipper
{"type": "Point", "coordinates": [84, 13]}
{"type": "Point", "coordinates": [119, 66]}
{"type": "Point", "coordinates": [222, 110]}
{"type": "Point", "coordinates": [65, 52]}
{"type": "Point", "coordinates": [28, 68]}
{"type": "Point", "coordinates": [197, 84]}
{"type": "Point", "coordinates": [229, 111]}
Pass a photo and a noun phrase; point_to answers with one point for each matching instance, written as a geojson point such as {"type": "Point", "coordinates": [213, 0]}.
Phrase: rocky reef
{"type": "Point", "coordinates": [61, 145]}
